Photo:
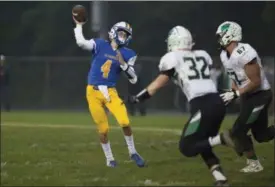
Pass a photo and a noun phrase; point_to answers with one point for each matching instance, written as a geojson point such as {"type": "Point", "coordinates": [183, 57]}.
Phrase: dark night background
{"type": "Point", "coordinates": [38, 42]}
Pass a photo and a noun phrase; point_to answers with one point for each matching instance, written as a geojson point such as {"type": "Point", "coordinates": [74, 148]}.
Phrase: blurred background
{"type": "Point", "coordinates": [42, 67]}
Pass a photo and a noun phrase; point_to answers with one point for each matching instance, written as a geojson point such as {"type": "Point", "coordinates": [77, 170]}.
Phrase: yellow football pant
{"type": "Point", "coordinates": [97, 101]}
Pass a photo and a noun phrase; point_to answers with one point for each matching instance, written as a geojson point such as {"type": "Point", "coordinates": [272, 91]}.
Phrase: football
{"type": "Point", "coordinates": [79, 13]}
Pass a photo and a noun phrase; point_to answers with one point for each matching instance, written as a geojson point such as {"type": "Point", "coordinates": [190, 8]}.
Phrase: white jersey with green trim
{"type": "Point", "coordinates": [192, 72]}
{"type": "Point", "coordinates": [234, 65]}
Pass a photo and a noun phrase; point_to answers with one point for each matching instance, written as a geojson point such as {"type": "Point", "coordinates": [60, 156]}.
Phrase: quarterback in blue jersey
{"type": "Point", "coordinates": [110, 58]}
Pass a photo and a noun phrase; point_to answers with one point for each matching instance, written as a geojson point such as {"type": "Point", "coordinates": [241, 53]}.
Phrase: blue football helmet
{"type": "Point", "coordinates": [121, 32]}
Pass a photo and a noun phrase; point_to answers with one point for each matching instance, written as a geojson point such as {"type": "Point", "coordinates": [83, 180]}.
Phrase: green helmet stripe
{"type": "Point", "coordinates": [225, 27]}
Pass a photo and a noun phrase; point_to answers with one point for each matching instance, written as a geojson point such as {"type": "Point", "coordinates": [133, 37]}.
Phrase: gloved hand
{"type": "Point", "coordinates": [229, 96]}
{"type": "Point", "coordinates": [133, 99]}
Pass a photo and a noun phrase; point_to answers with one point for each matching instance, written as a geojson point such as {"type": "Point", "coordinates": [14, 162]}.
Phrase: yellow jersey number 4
{"type": "Point", "coordinates": [105, 68]}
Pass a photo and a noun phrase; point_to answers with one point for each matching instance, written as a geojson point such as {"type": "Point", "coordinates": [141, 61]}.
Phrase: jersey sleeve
{"type": "Point", "coordinates": [130, 57]}
{"type": "Point", "coordinates": [97, 45]}
{"type": "Point", "coordinates": [246, 54]}
{"type": "Point", "coordinates": [208, 59]}
{"type": "Point", "coordinates": [167, 62]}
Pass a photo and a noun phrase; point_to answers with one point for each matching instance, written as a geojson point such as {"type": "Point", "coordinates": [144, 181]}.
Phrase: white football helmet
{"type": "Point", "coordinates": [114, 33]}
{"type": "Point", "coordinates": [227, 32]}
{"type": "Point", "coordinates": [179, 38]}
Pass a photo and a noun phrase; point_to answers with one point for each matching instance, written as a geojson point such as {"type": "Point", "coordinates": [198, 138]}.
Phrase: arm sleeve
{"type": "Point", "coordinates": [81, 41]}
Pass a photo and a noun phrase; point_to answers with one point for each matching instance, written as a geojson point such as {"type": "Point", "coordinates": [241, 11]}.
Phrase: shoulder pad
{"type": "Point", "coordinates": [168, 61]}
{"type": "Point", "coordinates": [245, 53]}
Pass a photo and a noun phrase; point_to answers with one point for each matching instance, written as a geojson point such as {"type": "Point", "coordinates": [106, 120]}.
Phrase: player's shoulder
{"type": "Point", "coordinates": [129, 55]}
{"type": "Point", "coordinates": [243, 50]}
{"type": "Point", "coordinates": [168, 56]}
{"type": "Point", "coordinates": [127, 51]}
{"type": "Point", "coordinates": [223, 55]}
{"type": "Point", "coordinates": [100, 41]}
{"type": "Point", "coordinates": [99, 44]}
{"type": "Point", "coordinates": [200, 52]}
{"type": "Point", "coordinates": [247, 46]}
{"type": "Point", "coordinates": [168, 61]}
{"type": "Point", "coordinates": [203, 54]}
{"type": "Point", "coordinates": [244, 53]}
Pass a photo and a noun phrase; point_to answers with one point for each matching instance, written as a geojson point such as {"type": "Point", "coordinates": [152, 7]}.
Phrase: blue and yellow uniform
{"type": "Point", "coordinates": [105, 70]}
{"type": "Point", "coordinates": [109, 59]}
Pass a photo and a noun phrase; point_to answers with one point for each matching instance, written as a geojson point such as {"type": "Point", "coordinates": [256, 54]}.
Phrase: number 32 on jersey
{"type": "Point", "coordinates": [196, 72]}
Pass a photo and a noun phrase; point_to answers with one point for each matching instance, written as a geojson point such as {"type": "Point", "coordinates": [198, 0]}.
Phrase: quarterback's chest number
{"type": "Point", "coordinates": [197, 73]}
{"type": "Point", "coordinates": [105, 68]}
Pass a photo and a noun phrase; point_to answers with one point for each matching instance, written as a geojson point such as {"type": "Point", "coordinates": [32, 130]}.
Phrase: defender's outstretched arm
{"type": "Point", "coordinates": [146, 93]}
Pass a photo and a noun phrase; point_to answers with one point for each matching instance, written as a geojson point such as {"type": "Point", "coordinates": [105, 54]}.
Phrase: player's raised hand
{"type": "Point", "coordinates": [77, 22]}
{"type": "Point", "coordinates": [120, 58]}
{"type": "Point", "coordinates": [79, 14]}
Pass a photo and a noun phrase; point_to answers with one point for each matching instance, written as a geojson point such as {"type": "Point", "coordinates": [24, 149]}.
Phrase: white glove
{"type": "Point", "coordinates": [229, 96]}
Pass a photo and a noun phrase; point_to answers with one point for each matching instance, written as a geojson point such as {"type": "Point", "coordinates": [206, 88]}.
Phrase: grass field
{"type": "Point", "coordinates": [62, 149]}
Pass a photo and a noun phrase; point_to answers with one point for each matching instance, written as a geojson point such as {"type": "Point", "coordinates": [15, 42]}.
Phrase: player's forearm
{"type": "Point", "coordinates": [233, 85]}
{"type": "Point", "coordinates": [252, 70]}
{"type": "Point", "coordinates": [148, 92]}
{"type": "Point", "coordinates": [130, 72]}
{"type": "Point", "coordinates": [80, 40]}
{"type": "Point", "coordinates": [154, 87]}
{"type": "Point", "coordinates": [250, 87]}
